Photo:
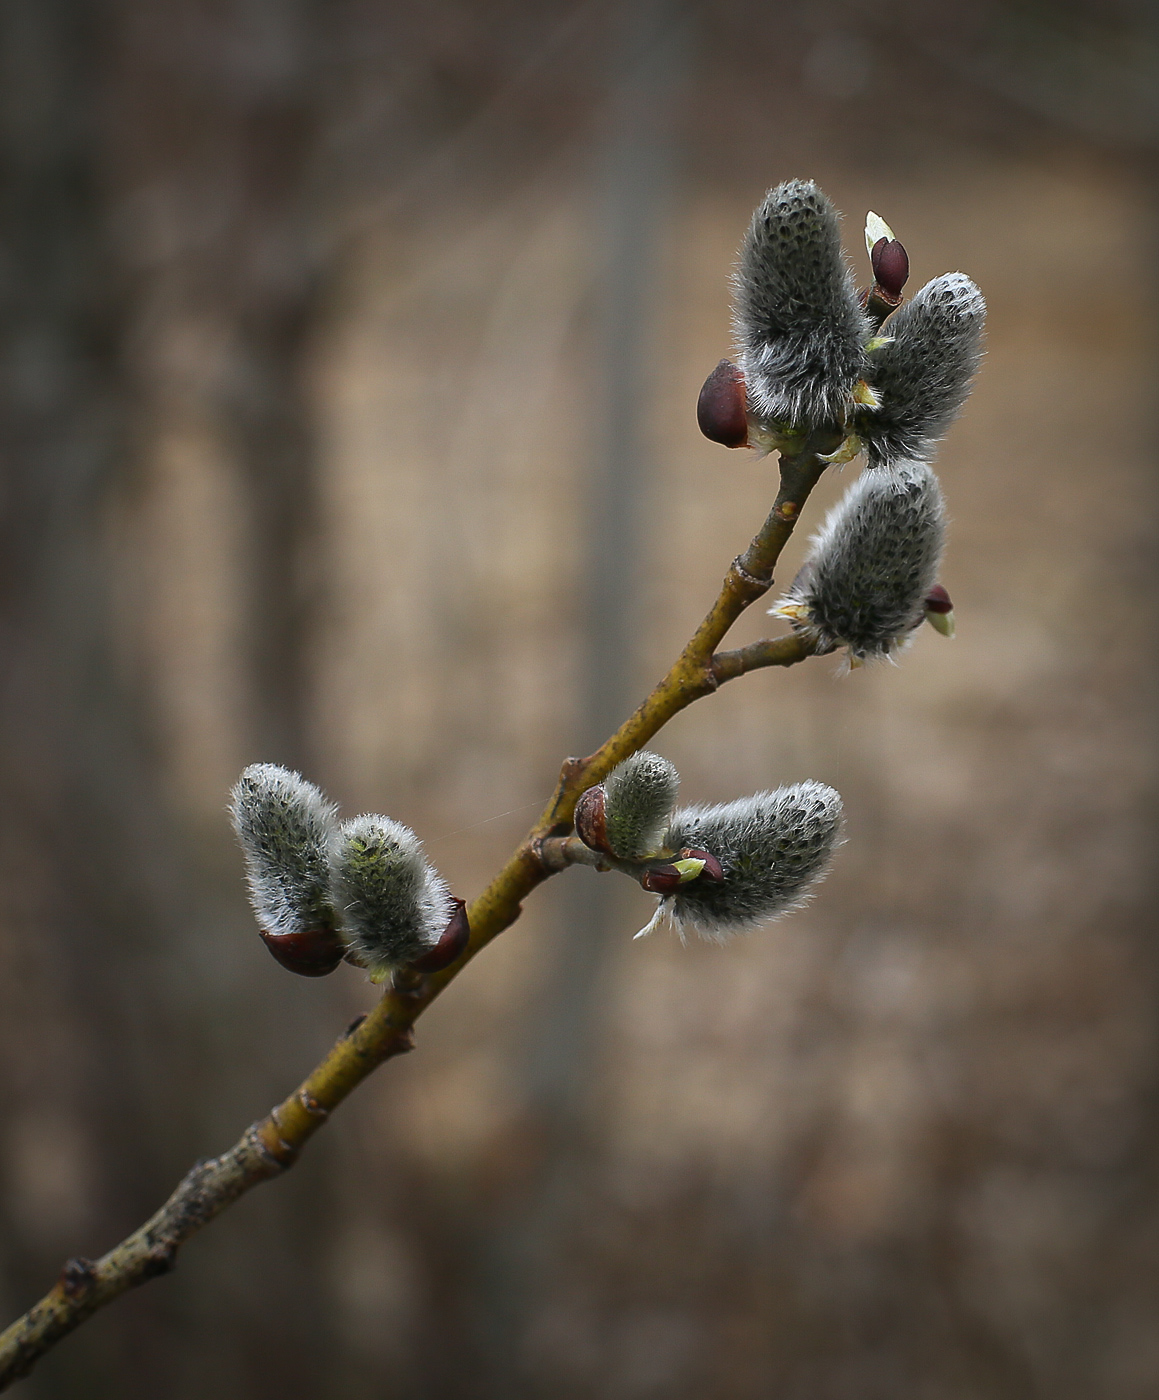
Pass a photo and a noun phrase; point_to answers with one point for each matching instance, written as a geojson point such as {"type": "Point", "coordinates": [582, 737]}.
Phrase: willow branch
{"type": "Point", "coordinates": [271, 1145]}
{"type": "Point", "coordinates": [772, 651]}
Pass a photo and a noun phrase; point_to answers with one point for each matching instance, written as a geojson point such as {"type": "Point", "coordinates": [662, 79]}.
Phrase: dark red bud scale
{"type": "Point", "coordinates": [938, 600]}
{"type": "Point", "coordinates": [711, 871]}
{"type": "Point", "coordinates": [722, 409]}
{"type": "Point", "coordinates": [890, 266]}
{"type": "Point", "coordinates": [451, 944]}
{"type": "Point", "coordinates": [661, 879]}
{"type": "Point", "coordinates": [590, 825]}
{"type": "Point", "coordinates": [314, 952]}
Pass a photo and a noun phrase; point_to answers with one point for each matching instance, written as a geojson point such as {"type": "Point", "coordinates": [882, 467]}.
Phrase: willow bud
{"type": "Point", "coordinates": [710, 867]}
{"type": "Point", "coordinates": [284, 826]}
{"type": "Point", "coordinates": [773, 848]}
{"type": "Point", "coordinates": [639, 795]}
{"type": "Point", "coordinates": [889, 260]}
{"type": "Point", "coordinates": [393, 904]}
{"type": "Point", "coordinates": [799, 327]}
{"type": "Point", "coordinates": [872, 564]}
{"type": "Point", "coordinates": [923, 374]}
{"type": "Point", "coordinates": [940, 611]}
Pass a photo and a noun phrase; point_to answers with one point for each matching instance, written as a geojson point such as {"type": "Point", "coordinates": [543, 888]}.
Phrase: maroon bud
{"type": "Point", "coordinates": [452, 941]}
{"type": "Point", "coordinates": [938, 600]}
{"type": "Point", "coordinates": [721, 410]}
{"type": "Point", "coordinates": [890, 266]}
{"type": "Point", "coordinates": [711, 871]}
{"type": "Point", "coordinates": [661, 879]}
{"type": "Point", "coordinates": [590, 825]}
{"type": "Point", "coordinates": [312, 953]}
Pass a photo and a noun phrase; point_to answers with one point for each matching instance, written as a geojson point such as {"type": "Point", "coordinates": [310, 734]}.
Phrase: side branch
{"type": "Point", "coordinates": [772, 651]}
{"type": "Point", "coordinates": [271, 1145]}
{"type": "Point", "coordinates": [692, 676]}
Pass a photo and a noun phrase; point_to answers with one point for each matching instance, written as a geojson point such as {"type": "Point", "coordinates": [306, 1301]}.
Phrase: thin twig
{"type": "Point", "coordinates": [772, 651]}
{"type": "Point", "coordinates": [270, 1146]}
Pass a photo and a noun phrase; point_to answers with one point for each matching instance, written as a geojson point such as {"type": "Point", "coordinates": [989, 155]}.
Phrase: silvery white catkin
{"type": "Point", "coordinates": [773, 847]}
{"type": "Point", "coordinates": [799, 326]}
{"type": "Point", "coordinates": [284, 826]}
{"type": "Point", "coordinates": [864, 582]}
{"type": "Point", "coordinates": [639, 796]}
{"type": "Point", "coordinates": [923, 376]}
{"type": "Point", "coordinates": [393, 905]}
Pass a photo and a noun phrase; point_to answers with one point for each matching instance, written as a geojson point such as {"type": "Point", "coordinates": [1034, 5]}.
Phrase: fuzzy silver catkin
{"type": "Point", "coordinates": [923, 376]}
{"type": "Point", "coordinates": [799, 327]}
{"type": "Point", "coordinates": [773, 848]}
{"type": "Point", "coordinates": [639, 796]}
{"type": "Point", "coordinates": [864, 582]}
{"type": "Point", "coordinates": [284, 826]}
{"type": "Point", "coordinates": [392, 903]}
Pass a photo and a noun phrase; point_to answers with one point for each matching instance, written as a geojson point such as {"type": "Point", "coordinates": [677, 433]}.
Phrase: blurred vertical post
{"type": "Point", "coordinates": [636, 176]}
{"type": "Point", "coordinates": [636, 197]}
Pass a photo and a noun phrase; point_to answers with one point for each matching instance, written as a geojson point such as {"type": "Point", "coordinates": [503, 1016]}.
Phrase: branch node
{"type": "Point", "coordinates": [750, 582]}
{"type": "Point", "coordinates": [571, 767]}
{"type": "Point", "coordinates": [275, 1158]}
{"type": "Point", "coordinates": [77, 1277]}
{"type": "Point", "coordinates": [406, 982]}
{"type": "Point", "coordinates": [161, 1259]}
{"type": "Point", "coordinates": [312, 1106]}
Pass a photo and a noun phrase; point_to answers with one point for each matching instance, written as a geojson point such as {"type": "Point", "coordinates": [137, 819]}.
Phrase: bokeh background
{"type": "Point", "coordinates": [348, 356]}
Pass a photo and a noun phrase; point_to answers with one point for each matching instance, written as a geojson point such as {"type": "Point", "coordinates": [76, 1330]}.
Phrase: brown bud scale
{"type": "Point", "coordinates": [890, 266]}
{"type": "Point", "coordinates": [590, 824]}
{"type": "Point", "coordinates": [314, 952]}
{"type": "Point", "coordinates": [722, 410]}
{"type": "Point", "coordinates": [661, 879]}
{"type": "Point", "coordinates": [452, 942]}
{"type": "Point", "coordinates": [938, 600]}
{"type": "Point", "coordinates": [712, 869]}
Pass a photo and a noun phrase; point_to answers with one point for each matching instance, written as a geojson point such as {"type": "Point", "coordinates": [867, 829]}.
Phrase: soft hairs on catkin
{"type": "Point", "coordinates": [864, 582]}
{"type": "Point", "coordinates": [284, 826]}
{"type": "Point", "coordinates": [923, 375]}
{"type": "Point", "coordinates": [799, 327]}
{"type": "Point", "coordinates": [773, 848]}
{"type": "Point", "coordinates": [640, 795]}
{"type": "Point", "coordinates": [393, 905]}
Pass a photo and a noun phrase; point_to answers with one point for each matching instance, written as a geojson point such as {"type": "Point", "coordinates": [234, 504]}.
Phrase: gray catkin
{"type": "Point", "coordinates": [639, 796]}
{"type": "Point", "coordinates": [864, 582]}
{"type": "Point", "coordinates": [923, 376]}
{"type": "Point", "coordinates": [284, 826]}
{"type": "Point", "coordinates": [392, 904]}
{"type": "Point", "coordinates": [773, 847]}
{"type": "Point", "coordinates": [799, 327]}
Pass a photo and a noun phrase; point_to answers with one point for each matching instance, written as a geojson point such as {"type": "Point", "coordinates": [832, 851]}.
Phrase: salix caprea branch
{"type": "Point", "coordinates": [823, 373]}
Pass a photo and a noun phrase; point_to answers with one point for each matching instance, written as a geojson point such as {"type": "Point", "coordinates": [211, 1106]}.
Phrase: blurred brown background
{"type": "Point", "coordinates": [348, 355]}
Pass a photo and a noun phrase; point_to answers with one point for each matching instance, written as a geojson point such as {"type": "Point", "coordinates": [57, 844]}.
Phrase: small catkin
{"type": "Point", "coordinates": [799, 327]}
{"type": "Point", "coordinates": [870, 566]}
{"type": "Point", "coordinates": [773, 848]}
{"type": "Point", "coordinates": [284, 826]}
{"type": "Point", "coordinates": [640, 795]}
{"type": "Point", "coordinates": [393, 905]}
{"type": "Point", "coordinates": [923, 375]}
